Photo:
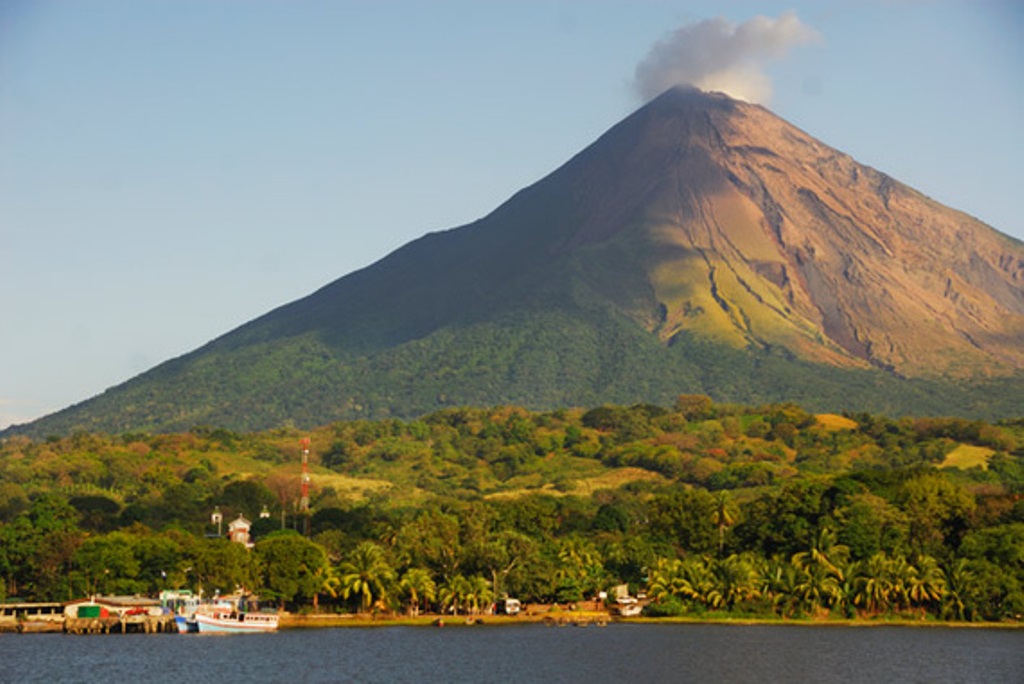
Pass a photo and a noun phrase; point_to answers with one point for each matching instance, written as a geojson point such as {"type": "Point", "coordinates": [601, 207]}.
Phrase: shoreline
{"type": "Point", "coordinates": [588, 618]}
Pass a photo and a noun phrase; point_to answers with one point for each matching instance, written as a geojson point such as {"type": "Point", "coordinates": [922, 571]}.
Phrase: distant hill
{"type": "Point", "coordinates": [702, 245]}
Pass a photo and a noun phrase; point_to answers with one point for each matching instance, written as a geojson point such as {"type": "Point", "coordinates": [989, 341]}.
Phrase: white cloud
{"type": "Point", "coordinates": [718, 55]}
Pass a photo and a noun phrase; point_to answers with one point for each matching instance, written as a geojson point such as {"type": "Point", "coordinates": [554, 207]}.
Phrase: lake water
{"type": "Point", "coordinates": [617, 653]}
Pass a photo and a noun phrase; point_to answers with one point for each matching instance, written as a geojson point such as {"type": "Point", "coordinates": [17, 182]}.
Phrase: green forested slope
{"type": "Point", "coordinates": [718, 510]}
{"type": "Point", "coordinates": [541, 359]}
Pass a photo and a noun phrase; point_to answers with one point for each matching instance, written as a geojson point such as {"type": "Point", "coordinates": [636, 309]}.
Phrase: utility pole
{"type": "Point", "coordinates": [304, 501]}
{"type": "Point", "coordinates": [217, 518]}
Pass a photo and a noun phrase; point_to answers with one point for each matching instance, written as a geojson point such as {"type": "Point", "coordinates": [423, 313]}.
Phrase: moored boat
{"type": "Point", "coordinates": [185, 624]}
{"type": "Point", "coordinates": [182, 604]}
{"type": "Point", "coordinates": [229, 620]}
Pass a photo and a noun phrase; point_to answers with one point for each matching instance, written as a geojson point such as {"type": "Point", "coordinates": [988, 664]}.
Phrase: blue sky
{"type": "Point", "coordinates": [172, 169]}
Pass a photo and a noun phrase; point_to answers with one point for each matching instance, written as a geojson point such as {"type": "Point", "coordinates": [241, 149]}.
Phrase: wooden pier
{"type": "Point", "coordinates": [124, 616]}
{"type": "Point", "coordinates": [144, 624]}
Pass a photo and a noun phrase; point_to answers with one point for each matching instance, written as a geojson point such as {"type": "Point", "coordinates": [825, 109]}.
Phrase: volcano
{"type": "Point", "coordinates": [702, 245]}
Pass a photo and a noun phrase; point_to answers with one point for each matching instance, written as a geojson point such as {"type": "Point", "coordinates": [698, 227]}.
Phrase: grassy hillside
{"type": "Point", "coordinates": [509, 451]}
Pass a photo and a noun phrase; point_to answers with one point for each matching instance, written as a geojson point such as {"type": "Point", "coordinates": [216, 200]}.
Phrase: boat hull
{"type": "Point", "coordinates": [186, 625]}
{"type": "Point", "coordinates": [242, 623]}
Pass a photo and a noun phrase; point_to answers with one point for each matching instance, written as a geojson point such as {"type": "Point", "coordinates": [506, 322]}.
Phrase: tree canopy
{"type": "Point", "coordinates": [705, 507]}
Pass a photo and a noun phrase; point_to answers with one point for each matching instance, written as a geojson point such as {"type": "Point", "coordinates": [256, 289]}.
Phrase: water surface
{"type": "Point", "coordinates": [616, 653]}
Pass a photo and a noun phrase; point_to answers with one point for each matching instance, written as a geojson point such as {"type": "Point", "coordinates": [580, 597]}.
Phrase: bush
{"type": "Point", "coordinates": [670, 606]}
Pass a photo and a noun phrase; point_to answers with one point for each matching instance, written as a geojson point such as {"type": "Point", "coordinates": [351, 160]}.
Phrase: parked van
{"type": "Point", "coordinates": [508, 606]}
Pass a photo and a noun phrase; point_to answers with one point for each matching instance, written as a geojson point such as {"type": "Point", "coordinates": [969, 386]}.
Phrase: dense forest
{"type": "Point", "coordinates": [708, 509]}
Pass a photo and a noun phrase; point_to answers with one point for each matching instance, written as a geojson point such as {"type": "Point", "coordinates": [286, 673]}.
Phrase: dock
{"type": "Point", "coordinates": [144, 624]}
{"type": "Point", "coordinates": [101, 615]}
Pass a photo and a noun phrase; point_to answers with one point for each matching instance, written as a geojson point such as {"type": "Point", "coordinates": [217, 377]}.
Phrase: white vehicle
{"type": "Point", "coordinates": [508, 606]}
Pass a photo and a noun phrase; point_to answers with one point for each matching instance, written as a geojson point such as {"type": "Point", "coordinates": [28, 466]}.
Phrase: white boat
{"type": "Point", "coordinates": [230, 621]}
{"type": "Point", "coordinates": [629, 606]}
{"type": "Point", "coordinates": [182, 604]}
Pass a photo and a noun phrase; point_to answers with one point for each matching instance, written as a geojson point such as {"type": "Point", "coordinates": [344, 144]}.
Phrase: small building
{"type": "Point", "coordinates": [14, 616]}
{"type": "Point", "coordinates": [238, 531]}
{"type": "Point", "coordinates": [113, 606]}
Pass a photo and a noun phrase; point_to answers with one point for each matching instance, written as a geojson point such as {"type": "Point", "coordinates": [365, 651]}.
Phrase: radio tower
{"type": "Point", "coordinates": [304, 501]}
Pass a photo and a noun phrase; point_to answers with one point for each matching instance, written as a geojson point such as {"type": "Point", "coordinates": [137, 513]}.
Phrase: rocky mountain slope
{"type": "Point", "coordinates": [701, 245]}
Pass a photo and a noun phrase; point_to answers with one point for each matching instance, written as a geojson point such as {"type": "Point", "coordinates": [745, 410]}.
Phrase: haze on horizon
{"type": "Point", "coordinates": [174, 169]}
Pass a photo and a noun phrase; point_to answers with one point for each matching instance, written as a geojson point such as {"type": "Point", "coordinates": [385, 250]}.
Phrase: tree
{"type": "Point", "coordinates": [453, 593]}
{"type": "Point", "coordinates": [221, 565]}
{"type": "Point", "coordinates": [817, 589]}
{"type": "Point", "coordinates": [432, 540]}
{"type": "Point", "coordinates": [287, 490]}
{"type": "Point", "coordinates": [690, 580]}
{"type": "Point", "coordinates": [687, 518]}
{"type": "Point", "coordinates": [328, 582]}
{"type": "Point", "coordinates": [723, 518]}
{"type": "Point", "coordinates": [734, 581]}
{"type": "Point", "coordinates": [870, 524]}
{"type": "Point", "coordinates": [419, 586]}
{"type": "Point", "coordinates": [873, 585]}
{"type": "Point", "coordinates": [109, 564]}
{"type": "Point", "coordinates": [97, 513]}
{"type": "Point", "coordinates": [1002, 544]}
{"type": "Point", "coordinates": [694, 406]}
{"type": "Point", "coordinates": [822, 566]}
{"type": "Point", "coordinates": [38, 549]}
{"type": "Point", "coordinates": [780, 581]}
{"type": "Point", "coordinates": [291, 568]}
{"type": "Point", "coordinates": [247, 497]}
{"type": "Point", "coordinates": [628, 557]}
{"type": "Point", "coordinates": [785, 522]}
{"type": "Point", "coordinates": [928, 584]}
{"type": "Point", "coordinates": [478, 593]}
{"type": "Point", "coordinates": [959, 586]}
{"type": "Point", "coordinates": [667, 579]}
{"type": "Point", "coordinates": [12, 501]}
{"type": "Point", "coordinates": [366, 574]}
{"type": "Point", "coordinates": [996, 592]}
{"type": "Point", "coordinates": [938, 511]}
{"type": "Point", "coordinates": [580, 571]}
{"type": "Point", "coordinates": [824, 552]}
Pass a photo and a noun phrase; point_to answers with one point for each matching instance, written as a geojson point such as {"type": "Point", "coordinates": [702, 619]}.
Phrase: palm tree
{"type": "Point", "coordinates": [779, 580]}
{"type": "Point", "coordinates": [698, 575]}
{"type": "Point", "coordinates": [453, 593]}
{"type": "Point", "coordinates": [848, 589]}
{"type": "Point", "coordinates": [672, 577]}
{"type": "Point", "coordinates": [723, 518]}
{"type": "Point", "coordinates": [419, 586]}
{"type": "Point", "coordinates": [824, 552]}
{"type": "Point", "coordinates": [478, 593]}
{"type": "Point", "coordinates": [821, 566]}
{"type": "Point", "coordinates": [959, 584]}
{"type": "Point", "coordinates": [903, 576]}
{"type": "Point", "coordinates": [367, 574]}
{"type": "Point", "coordinates": [663, 577]}
{"type": "Point", "coordinates": [330, 583]}
{"type": "Point", "coordinates": [929, 584]}
{"type": "Point", "coordinates": [735, 581]}
{"type": "Point", "coordinates": [818, 587]}
{"type": "Point", "coordinates": [873, 588]}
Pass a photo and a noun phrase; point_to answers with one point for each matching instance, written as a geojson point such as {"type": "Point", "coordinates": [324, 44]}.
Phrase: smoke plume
{"type": "Point", "coordinates": [718, 55]}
